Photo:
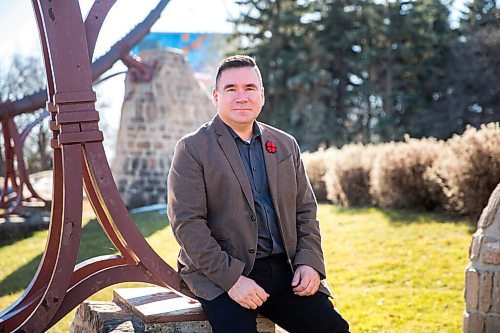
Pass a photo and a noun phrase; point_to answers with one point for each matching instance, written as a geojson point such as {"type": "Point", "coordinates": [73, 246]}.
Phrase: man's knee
{"type": "Point", "coordinates": [333, 320]}
{"type": "Point", "coordinates": [340, 324]}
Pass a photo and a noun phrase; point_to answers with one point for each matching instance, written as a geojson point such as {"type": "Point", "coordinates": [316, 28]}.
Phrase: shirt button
{"type": "Point", "coordinates": [253, 218]}
{"type": "Point", "coordinates": [254, 169]}
{"type": "Point", "coordinates": [268, 211]}
{"type": "Point", "coordinates": [251, 251]}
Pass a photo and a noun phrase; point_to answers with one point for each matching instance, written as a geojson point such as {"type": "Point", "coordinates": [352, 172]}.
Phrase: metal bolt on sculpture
{"type": "Point", "coordinates": [79, 162]}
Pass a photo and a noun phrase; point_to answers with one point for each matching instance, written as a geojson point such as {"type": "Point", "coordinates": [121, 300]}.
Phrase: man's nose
{"type": "Point", "coordinates": [241, 97]}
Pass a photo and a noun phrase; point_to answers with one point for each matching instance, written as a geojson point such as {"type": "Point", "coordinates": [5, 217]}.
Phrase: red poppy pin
{"type": "Point", "coordinates": [270, 147]}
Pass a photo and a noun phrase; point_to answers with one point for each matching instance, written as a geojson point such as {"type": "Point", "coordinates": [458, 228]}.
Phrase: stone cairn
{"type": "Point", "coordinates": [482, 277]}
{"type": "Point", "coordinates": [155, 115]}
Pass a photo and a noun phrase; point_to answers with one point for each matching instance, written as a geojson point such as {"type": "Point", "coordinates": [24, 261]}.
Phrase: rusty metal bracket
{"type": "Point", "coordinates": [16, 172]}
{"type": "Point", "coordinates": [139, 70]}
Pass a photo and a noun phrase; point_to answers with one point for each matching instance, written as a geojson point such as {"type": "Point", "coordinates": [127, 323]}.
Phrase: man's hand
{"type": "Point", "coordinates": [247, 293]}
{"type": "Point", "coordinates": [305, 281]}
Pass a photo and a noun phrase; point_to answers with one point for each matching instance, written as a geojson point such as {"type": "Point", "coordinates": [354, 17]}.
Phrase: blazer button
{"type": "Point", "coordinates": [253, 218]}
{"type": "Point", "coordinates": [251, 251]}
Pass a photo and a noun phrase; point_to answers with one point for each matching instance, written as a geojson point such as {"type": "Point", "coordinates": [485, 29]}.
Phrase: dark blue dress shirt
{"type": "Point", "coordinates": [269, 238]}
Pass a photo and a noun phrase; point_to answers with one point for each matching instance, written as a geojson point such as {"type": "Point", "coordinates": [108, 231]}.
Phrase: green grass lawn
{"type": "Point", "coordinates": [390, 271]}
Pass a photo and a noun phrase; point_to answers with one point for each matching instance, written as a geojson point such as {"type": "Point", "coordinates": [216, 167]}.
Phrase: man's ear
{"type": "Point", "coordinates": [215, 98]}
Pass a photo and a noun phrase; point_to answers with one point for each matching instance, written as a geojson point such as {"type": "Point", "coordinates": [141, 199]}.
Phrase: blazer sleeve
{"type": "Point", "coordinates": [309, 250]}
{"type": "Point", "coordinates": [187, 211]}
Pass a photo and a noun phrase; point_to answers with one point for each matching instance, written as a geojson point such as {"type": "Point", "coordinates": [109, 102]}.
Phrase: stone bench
{"type": "Point", "coordinates": [150, 309]}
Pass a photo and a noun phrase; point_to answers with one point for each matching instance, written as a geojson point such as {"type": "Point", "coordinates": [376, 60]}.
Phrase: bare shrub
{"type": "Point", "coordinates": [347, 176]}
{"type": "Point", "coordinates": [398, 174]}
{"type": "Point", "coordinates": [316, 168]}
{"type": "Point", "coordinates": [468, 170]}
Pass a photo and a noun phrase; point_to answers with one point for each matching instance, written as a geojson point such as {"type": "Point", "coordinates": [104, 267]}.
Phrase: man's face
{"type": "Point", "coordinates": [239, 96]}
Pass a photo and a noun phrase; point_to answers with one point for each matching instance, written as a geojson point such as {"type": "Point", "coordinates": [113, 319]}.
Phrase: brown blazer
{"type": "Point", "coordinates": [211, 208]}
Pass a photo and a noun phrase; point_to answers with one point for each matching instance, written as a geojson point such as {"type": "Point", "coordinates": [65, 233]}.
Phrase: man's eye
{"type": "Point", "coordinates": [230, 90]}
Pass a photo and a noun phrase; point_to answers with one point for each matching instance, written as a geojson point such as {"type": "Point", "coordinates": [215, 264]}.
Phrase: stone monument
{"type": "Point", "coordinates": [482, 277]}
{"type": "Point", "coordinates": [155, 115]}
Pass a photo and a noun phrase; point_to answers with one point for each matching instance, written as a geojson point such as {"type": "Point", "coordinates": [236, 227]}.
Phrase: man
{"type": "Point", "coordinates": [243, 211]}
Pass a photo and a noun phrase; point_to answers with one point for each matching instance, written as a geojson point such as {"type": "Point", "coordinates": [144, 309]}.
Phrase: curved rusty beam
{"type": "Point", "coordinates": [17, 150]}
{"type": "Point", "coordinates": [93, 265]}
{"type": "Point", "coordinates": [116, 211]}
{"type": "Point", "coordinates": [49, 92]}
{"type": "Point", "coordinates": [27, 129]}
{"type": "Point", "coordinates": [102, 79]}
{"type": "Point", "coordinates": [9, 165]}
{"type": "Point", "coordinates": [93, 22]}
{"type": "Point", "coordinates": [68, 247]}
{"type": "Point", "coordinates": [11, 140]}
{"type": "Point", "coordinates": [26, 179]}
{"type": "Point", "coordinates": [37, 100]}
{"type": "Point", "coordinates": [18, 177]}
{"type": "Point", "coordinates": [40, 281]}
{"type": "Point", "coordinates": [102, 216]}
{"type": "Point", "coordinates": [139, 70]}
{"type": "Point", "coordinates": [98, 281]}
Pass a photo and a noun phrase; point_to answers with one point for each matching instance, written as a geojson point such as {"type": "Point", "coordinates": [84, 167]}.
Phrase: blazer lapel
{"type": "Point", "coordinates": [229, 148]}
{"type": "Point", "coordinates": [271, 161]}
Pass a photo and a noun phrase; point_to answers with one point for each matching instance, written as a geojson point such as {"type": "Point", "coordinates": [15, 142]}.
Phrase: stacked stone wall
{"type": "Point", "coordinates": [155, 115]}
{"type": "Point", "coordinates": [482, 277]}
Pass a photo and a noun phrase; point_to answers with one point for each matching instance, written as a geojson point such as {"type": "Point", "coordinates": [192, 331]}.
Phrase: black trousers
{"type": "Point", "coordinates": [296, 314]}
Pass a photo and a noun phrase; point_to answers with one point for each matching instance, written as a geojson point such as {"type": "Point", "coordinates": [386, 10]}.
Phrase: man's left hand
{"type": "Point", "coordinates": [305, 281]}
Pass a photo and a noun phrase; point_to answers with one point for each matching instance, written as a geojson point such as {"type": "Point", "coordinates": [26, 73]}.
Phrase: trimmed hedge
{"type": "Point", "coordinates": [457, 175]}
{"type": "Point", "coordinates": [398, 174]}
{"type": "Point", "coordinates": [316, 168]}
{"type": "Point", "coordinates": [468, 170]}
{"type": "Point", "coordinates": [347, 177]}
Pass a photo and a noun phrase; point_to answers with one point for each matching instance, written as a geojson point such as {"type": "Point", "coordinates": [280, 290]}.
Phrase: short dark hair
{"type": "Point", "coordinates": [236, 61]}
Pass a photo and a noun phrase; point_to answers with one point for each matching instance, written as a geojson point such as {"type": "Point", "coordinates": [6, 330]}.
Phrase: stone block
{"type": "Point", "coordinates": [485, 291]}
{"type": "Point", "coordinates": [492, 324]}
{"type": "Point", "coordinates": [475, 247]}
{"type": "Point", "coordinates": [471, 289]}
{"type": "Point", "coordinates": [495, 298]}
{"type": "Point", "coordinates": [491, 212]}
{"type": "Point", "coordinates": [473, 323]}
{"type": "Point", "coordinates": [490, 252]}
{"type": "Point", "coordinates": [105, 317]}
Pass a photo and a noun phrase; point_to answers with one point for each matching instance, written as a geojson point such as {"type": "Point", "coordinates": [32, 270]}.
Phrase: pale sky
{"type": "Point", "coordinates": [18, 31]}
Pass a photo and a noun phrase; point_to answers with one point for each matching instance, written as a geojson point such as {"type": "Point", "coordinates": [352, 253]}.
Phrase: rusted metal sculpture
{"type": "Point", "coordinates": [79, 162]}
{"type": "Point", "coordinates": [16, 173]}
{"type": "Point", "coordinates": [12, 197]}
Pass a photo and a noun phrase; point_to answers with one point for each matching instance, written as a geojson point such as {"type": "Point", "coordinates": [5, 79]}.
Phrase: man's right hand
{"type": "Point", "coordinates": [247, 293]}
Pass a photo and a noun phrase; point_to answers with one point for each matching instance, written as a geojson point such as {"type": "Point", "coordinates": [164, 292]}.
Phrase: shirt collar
{"type": "Point", "coordinates": [256, 132]}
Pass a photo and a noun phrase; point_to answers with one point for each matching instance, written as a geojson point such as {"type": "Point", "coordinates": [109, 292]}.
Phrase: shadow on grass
{"type": "Point", "coordinates": [94, 242]}
{"type": "Point", "coordinates": [19, 234]}
{"type": "Point", "coordinates": [406, 216]}
{"type": "Point", "coordinates": [400, 217]}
